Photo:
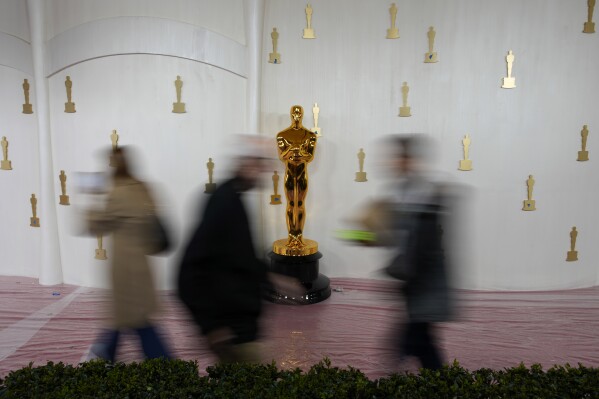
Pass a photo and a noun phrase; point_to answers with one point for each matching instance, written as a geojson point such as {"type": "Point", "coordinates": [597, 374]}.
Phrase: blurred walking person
{"type": "Point", "coordinates": [130, 216]}
{"type": "Point", "coordinates": [418, 207]}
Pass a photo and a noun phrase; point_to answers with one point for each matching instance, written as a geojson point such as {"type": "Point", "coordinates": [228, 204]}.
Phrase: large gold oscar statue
{"type": "Point", "coordinates": [296, 146]}
{"type": "Point", "coordinates": [296, 256]}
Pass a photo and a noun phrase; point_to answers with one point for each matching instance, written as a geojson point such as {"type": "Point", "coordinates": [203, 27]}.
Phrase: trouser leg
{"type": "Point", "coordinates": [151, 343]}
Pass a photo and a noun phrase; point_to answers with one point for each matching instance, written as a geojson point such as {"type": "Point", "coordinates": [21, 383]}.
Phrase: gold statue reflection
{"type": "Point", "coordinates": [296, 146]}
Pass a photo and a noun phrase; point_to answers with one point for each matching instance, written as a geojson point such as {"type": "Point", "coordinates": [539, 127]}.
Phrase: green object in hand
{"type": "Point", "coordinates": [356, 235]}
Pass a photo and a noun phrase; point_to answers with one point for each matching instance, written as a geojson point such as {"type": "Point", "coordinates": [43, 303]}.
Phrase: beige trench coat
{"type": "Point", "coordinates": [126, 217]}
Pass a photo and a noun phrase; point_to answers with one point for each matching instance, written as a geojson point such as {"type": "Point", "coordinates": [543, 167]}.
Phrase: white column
{"type": "Point", "coordinates": [50, 267]}
{"type": "Point", "coordinates": [254, 25]}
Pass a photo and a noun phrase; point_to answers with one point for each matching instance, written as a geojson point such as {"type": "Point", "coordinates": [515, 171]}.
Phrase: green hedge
{"type": "Point", "coordinates": [180, 379]}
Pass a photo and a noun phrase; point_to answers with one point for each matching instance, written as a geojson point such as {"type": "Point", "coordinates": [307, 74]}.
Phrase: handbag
{"type": "Point", "coordinates": [158, 237]}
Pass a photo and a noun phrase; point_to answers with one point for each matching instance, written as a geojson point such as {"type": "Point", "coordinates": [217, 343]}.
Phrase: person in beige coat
{"type": "Point", "coordinates": [127, 215]}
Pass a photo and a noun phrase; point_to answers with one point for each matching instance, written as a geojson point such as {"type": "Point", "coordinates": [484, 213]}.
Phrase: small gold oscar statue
{"type": "Point", "coordinates": [404, 110]}
{"type": "Point", "coordinates": [5, 164]}
{"type": "Point", "coordinates": [316, 112]}
{"type": "Point", "coordinates": [584, 154]}
{"type": "Point", "coordinates": [274, 57]}
{"type": "Point", "coordinates": [69, 106]}
{"type": "Point", "coordinates": [589, 26]}
{"type": "Point", "coordinates": [361, 175]}
{"type": "Point", "coordinates": [431, 57]}
{"type": "Point", "coordinates": [275, 199]}
{"type": "Point", "coordinates": [114, 139]}
{"type": "Point", "coordinates": [296, 146]}
{"type": "Point", "coordinates": [210, 187]}
{"type": "Point", "coordinates": [529, 204]}
{"type": "Point", "coordinates": [178, 107]}
{"type": "Point", "coordinates": [34, 221]}
{"type": "Point", "coordinates": [27, 108]}
{"type": "Point", "coordinates": [100, 252]}
{"type": "Point", "coordinates": [308, 31]}
{"type": "Point", "coordinates": [393, 32]}
{"type": "Point", "coordinates": [572, 253]}
{"type": "Point", "coordinates": [64, 198]}
{"type": "Point", "coordinates": [466, 163]}
{"type": "Point", "coordinates": [509, 82]}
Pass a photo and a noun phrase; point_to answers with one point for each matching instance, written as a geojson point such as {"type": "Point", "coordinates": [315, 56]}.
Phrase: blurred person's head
{"type": "Point", "coordinates": [410, 153]}
{"type": "Point", "coordinates": [253, 159]}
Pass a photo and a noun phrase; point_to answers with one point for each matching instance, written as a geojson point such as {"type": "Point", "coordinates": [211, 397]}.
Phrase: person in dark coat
{"type": "Point", "coordinates": [418, 208]}
{"type": "Point", "coordinates": [221, 279]}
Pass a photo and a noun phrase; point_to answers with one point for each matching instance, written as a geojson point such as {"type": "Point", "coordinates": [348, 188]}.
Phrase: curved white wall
{"type": "Point", "coordinates": [224, 17]}
{"type": "Point", "coordinates": [18, 241]}
{"type": "Point", "coordinates": [123, 57]}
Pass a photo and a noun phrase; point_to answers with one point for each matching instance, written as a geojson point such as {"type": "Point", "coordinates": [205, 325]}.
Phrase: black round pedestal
{"type": "Point", "coordinates": [305, 269]}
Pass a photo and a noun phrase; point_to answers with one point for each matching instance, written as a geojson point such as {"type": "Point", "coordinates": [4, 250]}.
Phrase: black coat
{"type": "Point", "coordinates": [221, 278]}
{"type": "Point", "coordinates": [422, 262]}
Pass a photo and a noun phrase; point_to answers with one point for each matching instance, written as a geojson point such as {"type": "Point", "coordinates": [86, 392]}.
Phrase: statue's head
{"type": "Point", "coordinates": [297, 114]}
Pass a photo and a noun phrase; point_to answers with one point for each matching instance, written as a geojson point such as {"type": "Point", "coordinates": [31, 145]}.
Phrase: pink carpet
{"type": "Point", "coordinates": [354, 327]}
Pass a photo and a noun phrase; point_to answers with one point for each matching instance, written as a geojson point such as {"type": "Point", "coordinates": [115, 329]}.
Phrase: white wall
{"type": "Point", "coordinates": [355, 75]}
{"type": "Point", "coordinates": [18, 241]}
{"type": "Point", "coordinates": [134, 95]}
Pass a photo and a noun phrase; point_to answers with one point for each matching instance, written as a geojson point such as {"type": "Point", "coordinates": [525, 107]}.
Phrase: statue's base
{"type": "Point", "coordinates": [583, 156]}
{"type": "Point", "coordinates": [589, 27]}
{"type": "Point", "coordinates": [572, 256]}
{"type": "Point", "coordinates": [274, 58]}
{"type": "Point", "coordinates": [309, 33]}
{"type": "Point", "coordinates": [69, 108]}
{"type": "Point", "coordinates": [35, 222]}
{"type": "Point", "coordinates": [101, 254]}
{"type": "Point", "coordinates": [465, 165]}
{"type": "Point", "coordinates": [275, 200]}
{"type": "Point", "coordinates": [280, 247]}
{"type": "Point", "coordinates": [179, 108]}
{"type": "Point", "coordinates": [404, 111]}
{"type": "Point", "coordinates": [64, 200]}
{"type": "Point", "coordinates": [210, 188]}
{"type": "Point", "coordinates": [430, 58]}
{"type": "Point", "coordinates": [529, 205]}
{"type": "Point", "coordinates": [305, 269]}
{"type": "Point", "coordinates": [393, 33]}
{"type": "Point", "coordinates": [361, 177]}
{"type": "Point", "coordinates": [6, 165]}
{"type": "Point", "coordinates": [27, 109]}
{"type": "Point", "coordinates": [509, 83]}
{"type": "Point", "coordinates": [318, 131]}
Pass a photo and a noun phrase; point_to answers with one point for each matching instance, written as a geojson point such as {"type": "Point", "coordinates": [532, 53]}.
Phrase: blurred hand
{"type": "Point", "coordinates": [289, 285]}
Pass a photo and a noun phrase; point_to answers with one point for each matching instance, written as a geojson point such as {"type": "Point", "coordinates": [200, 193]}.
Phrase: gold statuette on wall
{"type": "Point", "coordinates": [361, 175]}
{"type": "Point", "coordinates": [589, 26]}
{"type": "Point", "coordinates": [529, 204]}
{"type": "Point", "coordinates": [274, 57]}
{"type": "Point", "coordinates": [584, 154]}
{"type": "Point", "coordinates": [5, 164]}
{"type": "Point", "coordinates": [27, 107]}
{"type": "Point", "coordinates": [308, 31]}
{"type": "Point", "coordinates": [210, 186]}
{"type": "Point", "coordinates": [34, 221]}
{"type": "Point", "coordinates": [315, 113]}
{"type": "Point", "coordinates": [114, 140]}
{"type": "Point", "coordinates": [69, 106]}
{"type": "Point", "coordinates": [393, 32]}
{"type": "Point", "coordinates": [466, 163]}
{"type": "Point", "coordinates": [572, 253]}
{"type": "Point", "coordinates": [405, 109]}
{"type": "Point", "coordinates": [431, 56]}
{"type": "Point", "coordinates": [179, 107]}
{"type": "Point", "coordinates": [64, 198]}
{"type": "Point", "coordinates": [275, 199]}
{"type": "Point", "coordinates": [509, 82]}
{"type": "Point", "coordinates": [100, 252]}
{"type": "Point", "coordinates": [296, 146]}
